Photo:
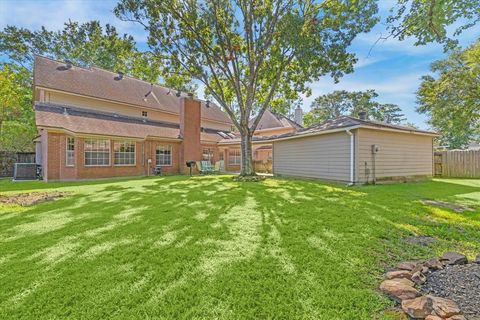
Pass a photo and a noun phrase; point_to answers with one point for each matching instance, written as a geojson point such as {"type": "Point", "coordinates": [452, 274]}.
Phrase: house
{"type": "Point", "coordinates": [354, 151]}
{"type": "Point", "coordinates": [95, 123]}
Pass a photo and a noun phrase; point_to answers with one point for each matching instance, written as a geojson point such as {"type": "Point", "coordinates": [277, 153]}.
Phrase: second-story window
{"type": "Point", "coordinates": [144, 114]}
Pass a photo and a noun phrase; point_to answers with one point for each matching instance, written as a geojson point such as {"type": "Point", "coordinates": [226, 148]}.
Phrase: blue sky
{"type": "Point", "coordinates": [392, 68]}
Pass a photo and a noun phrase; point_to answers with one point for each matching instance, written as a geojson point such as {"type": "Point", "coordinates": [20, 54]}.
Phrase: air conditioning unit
{"type": "Point", "coordinates": [25, 171]}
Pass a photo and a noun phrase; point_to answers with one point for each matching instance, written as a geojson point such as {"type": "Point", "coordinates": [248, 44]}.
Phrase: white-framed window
{"type": "Point", "coordinates": [97, 152]}
{"type": "Point", "coordinates": [164, 155]}
{"type": "Point", "coordinates": [144, 114]}
{"type": "Point", "coordinates": [234, 156]}
{"type": "Point", "coordinates": [70, 152]}
{"type": "Point", "coordinates": [207, 154]}
{"type": "Point", "coordinates": [123, 153]}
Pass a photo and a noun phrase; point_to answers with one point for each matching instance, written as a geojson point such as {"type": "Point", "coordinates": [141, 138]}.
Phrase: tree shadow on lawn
{"type": "Point", "coordinates": [208, 247]}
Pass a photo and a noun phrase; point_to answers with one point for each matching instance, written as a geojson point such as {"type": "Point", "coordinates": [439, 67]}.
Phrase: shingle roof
{"type": "Point", "coordinates": [103, 84]}
{"type": "Point", "coordinates": [334, 124]}
{"type": "Point", "coordinates": [346, 122]}
{"type": "Point", "coordinates": [272, 119]}
{"type": "Point", "coordinates": [82, 121]}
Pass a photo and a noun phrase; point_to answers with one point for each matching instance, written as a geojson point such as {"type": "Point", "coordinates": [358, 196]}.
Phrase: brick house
{"type": "Point", "coordinates": [95, 123]}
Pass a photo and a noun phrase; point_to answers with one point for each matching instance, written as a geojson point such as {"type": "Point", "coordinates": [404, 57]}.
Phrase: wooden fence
{"type": "Point", "coordinates": [457, 163]}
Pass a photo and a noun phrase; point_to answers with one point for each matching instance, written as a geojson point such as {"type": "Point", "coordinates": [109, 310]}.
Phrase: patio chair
{"type": "Point", "coordinates": [207, 167]}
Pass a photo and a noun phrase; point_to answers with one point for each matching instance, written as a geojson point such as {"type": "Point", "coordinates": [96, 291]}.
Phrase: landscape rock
{"type": "Point", "coordinates": [477, 259]}
{"type": "Point", "coordinates": [418, 308]}
{"type": "Point", "coordinates": [420, 268]}
{"type": "Point", "coordinates": [457, 317]}
{"type": "Point", "coordinates": [407, 265]}
{"type": "Point", "coordinates": [400, 274]}
{"type": "Point", "coordinates": [433, 264]}
{"type": "Point", "coordinates": [444, 307]}
{"type": "Point", "coordinates": [399, 289]}
{"type": "Point", "coordinates": [418, 278]}
{"type": "Point", "coordinates": [433, 317]}
{"type": "Point", "coordinates": [453, 258]}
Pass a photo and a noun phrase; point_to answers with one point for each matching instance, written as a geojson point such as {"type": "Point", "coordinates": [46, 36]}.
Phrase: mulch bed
{"type": "Point", "coordinates": [31, 198]}
{"type": "Point", "coordinates": [460, 283]}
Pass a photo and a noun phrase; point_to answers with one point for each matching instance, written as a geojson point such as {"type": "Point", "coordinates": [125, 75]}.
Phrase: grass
{"type": "Point", "coordinates": [208, 247]}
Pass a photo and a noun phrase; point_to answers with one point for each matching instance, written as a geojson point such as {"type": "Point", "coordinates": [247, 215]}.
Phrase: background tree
{"type": "Point", "coordinates": [451, 97]}
{"type": "Point", "coordinates": [248, 54]}
{"type": "Point", "coordinates": [429, 20]}
{"type": "Point", "coordinates": [17, 127]}
{"type": "Point", "coordinates": [350, 103]}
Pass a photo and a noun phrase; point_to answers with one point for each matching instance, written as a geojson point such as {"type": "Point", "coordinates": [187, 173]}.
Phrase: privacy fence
{"type": "Point", "coordinates": [8, 160]}
{"type": "Point", "coordinates": [457, 163]}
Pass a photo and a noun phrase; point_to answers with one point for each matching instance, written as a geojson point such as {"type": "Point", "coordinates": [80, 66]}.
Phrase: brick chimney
{"type": "Point", "coordinates": [190, 117]}
{"type": "Point", "coordinates": [299, 115]}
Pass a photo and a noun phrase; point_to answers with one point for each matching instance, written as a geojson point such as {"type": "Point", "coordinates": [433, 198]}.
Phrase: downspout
{"type": "Point", "coordinates": [352, 157]}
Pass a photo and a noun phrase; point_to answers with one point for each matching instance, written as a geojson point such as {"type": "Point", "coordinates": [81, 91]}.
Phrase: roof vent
{"type": "Point", "coordinates": [119, 76]}
{"type": "Point", "coordinates": [362, 115]}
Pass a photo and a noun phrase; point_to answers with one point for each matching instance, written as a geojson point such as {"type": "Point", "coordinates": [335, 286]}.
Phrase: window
{"type": "Point", "coordinates": [144, 114]}
{"type": "Point", "coordinates": [207, 154]}
{"type": "Point", "coordinates": [164, 155]}
{"type": "Point", "coordinates": [220, 155]}
{"type": "Point", "coordinates": [97, 152]}
{"type": "Point", "coordinates": [70, 154]}
{"type": "Point", "coordinates": [124, 153]}
{"type": "Point", "coordinates": [234, 156]}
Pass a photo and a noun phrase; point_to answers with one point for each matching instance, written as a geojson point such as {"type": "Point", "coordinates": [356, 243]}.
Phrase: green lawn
{"type": "Point", "coordinates": [208, 247]}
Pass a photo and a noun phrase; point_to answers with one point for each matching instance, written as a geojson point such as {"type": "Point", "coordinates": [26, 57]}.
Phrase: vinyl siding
{"type": "Point", "coordinates": [323, 157]}
{"type": "Point", "coordinates": [401, 156]}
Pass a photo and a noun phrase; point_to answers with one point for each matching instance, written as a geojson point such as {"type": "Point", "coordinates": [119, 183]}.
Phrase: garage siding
{"type": "Point", "coordinates": [324, 157]}
{"type": "Point", "coordinates": [401, 156]}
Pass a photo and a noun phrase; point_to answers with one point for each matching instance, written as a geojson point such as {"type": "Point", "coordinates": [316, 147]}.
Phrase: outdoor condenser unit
{"type": "Point", "coordinates": [25, 171]}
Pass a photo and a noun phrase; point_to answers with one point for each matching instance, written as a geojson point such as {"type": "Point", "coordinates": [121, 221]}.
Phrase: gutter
{"type": "Point", "coordinates": [352, 156]}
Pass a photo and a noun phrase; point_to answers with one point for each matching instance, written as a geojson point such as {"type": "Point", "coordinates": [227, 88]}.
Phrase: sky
{"type": "Point", "coordinates": [391, 67]}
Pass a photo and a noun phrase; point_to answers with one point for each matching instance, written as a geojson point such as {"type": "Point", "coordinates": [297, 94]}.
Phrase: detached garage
{"type": "Point", "coordinates": [354, 150]}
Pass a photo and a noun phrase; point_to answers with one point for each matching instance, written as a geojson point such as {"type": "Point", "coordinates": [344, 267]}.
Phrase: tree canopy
{"type": "Point", "coordinates": [433, 20]}
{"type": "Point", "coordinates": [350, 103]}
{"type": "Point", "coordinates": [17, 125]}
{"type": "Point", "coordinates": [250, 55]}
{"type": "Point", "coordinates": [451, 97]}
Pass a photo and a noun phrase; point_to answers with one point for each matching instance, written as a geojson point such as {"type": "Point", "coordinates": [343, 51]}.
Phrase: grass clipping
{"type": "Point", "coordinates": [31, 198]}
{"type": "Point", "coordinates": [255, 178]}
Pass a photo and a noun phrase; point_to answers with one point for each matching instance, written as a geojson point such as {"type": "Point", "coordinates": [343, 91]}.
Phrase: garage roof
{"type": "Point", "coordinates": [346, 122]}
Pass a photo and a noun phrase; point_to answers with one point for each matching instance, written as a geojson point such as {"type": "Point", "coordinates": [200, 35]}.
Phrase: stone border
{"type": "Point", "coordinates": [399, 285]}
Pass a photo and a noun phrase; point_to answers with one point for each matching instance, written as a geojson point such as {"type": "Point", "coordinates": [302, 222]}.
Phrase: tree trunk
{"type": "Point", "coordinates": [247, 168]}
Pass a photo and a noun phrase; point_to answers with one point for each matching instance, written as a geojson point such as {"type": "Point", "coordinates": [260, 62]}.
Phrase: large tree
{"type": "Point", "coordinates": [440, 21]}
{"type": "Point", "coordinates": [249, 54]}
{"type": "Point", "coordinates": [350, 103]}
{"type": "Point", "coordinates": [451, 97]}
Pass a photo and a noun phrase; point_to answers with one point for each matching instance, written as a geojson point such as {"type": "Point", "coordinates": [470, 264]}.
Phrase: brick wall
{"type": "Point", "coordinates": [144, 150]}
